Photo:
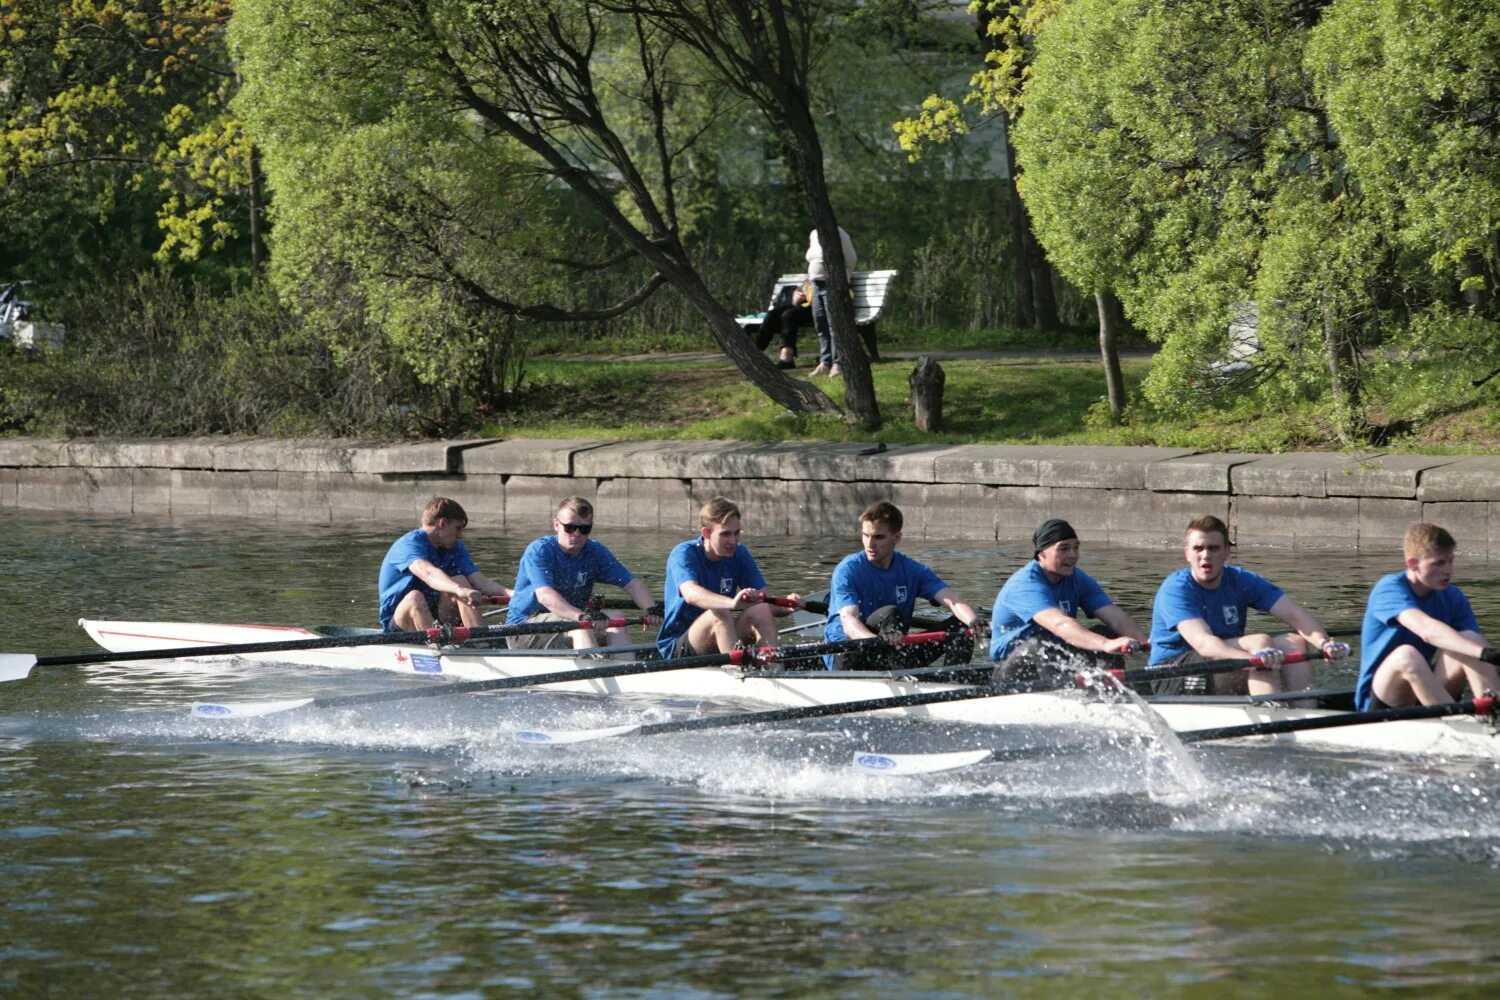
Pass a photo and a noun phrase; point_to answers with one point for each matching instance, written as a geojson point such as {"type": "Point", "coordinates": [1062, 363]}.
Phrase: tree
{"type": "Point", "coordinates": [1008, 34]}
{"type": "Point", "coordinates": [541, 93]}
{"type": "Point", "coordinates": [110, 103]}
{"type": "Point", "coordinates": [763, 50]}
{"type": "Point", "coordinates": [1412, 95]}
{"type": "Point", "coordinates": [1178, 153]}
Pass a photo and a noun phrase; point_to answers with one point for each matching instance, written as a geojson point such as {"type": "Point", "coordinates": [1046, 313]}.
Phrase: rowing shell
{"type": "Point", "coordinates": [1459, 736]}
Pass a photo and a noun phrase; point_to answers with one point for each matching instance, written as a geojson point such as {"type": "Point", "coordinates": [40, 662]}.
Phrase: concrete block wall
{"type": "Point", "coordinates": [974, 493]}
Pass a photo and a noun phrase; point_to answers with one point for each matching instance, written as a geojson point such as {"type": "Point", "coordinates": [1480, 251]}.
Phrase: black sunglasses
{"type": "Point", "coordinates": [570, 528]}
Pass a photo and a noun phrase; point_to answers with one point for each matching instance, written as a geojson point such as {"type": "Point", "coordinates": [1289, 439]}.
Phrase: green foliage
{"type": "Point", "coordinates": [390, 200]}
{"type": "Point", "coordinates": [1411, 91]}
{"type": "Point", "coordinates": [113, 123]}
{"type": "Point", "coordinates": [152, 356]}
{"type": "Point", "coordinates": [1175, 152]}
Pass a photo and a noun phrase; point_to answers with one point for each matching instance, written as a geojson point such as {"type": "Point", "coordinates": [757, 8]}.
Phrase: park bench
{"type": "Point", "coordinates": [870, 291]}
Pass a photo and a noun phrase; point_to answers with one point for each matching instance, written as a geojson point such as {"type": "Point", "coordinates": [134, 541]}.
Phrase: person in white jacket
{"type": "Point", "coordinates": [828, 362]}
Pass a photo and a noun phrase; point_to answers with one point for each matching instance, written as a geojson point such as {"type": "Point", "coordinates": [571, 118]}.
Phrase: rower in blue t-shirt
{"type": "Point", "coordinates": [1200, 613]}
{"type": "Point", "coordinates": [427, 575]}
{"type": "Point", "coordinates": [1035, 615]}
{"type": "Point", "coordinates": [556, 578]}
{"type": "Point", "coordinates": [1421, 641]}
{"type": "Point", "coordinates": [874, 592]}
{"type": "Point", "coordinates": [715, 596]}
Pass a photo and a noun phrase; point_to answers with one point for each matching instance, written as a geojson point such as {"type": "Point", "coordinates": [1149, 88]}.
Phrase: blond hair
{"type": "Point", "coordinates": [1423, 538]}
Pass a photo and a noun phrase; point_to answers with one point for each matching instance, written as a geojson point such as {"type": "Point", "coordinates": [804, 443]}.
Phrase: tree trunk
{"type": "Point", "coordinates": [1043, 297]}
{"type": "Point", "coordinates": [1108, 306]}
{"type": "Point", "coordinates": [257, 216]}
{"type": "Point", "coordinates": [1024, 316]}
{"type": "Point", "coordinates": [1343, 377]}
{"type": "Point", "coordinates": [806, 153]}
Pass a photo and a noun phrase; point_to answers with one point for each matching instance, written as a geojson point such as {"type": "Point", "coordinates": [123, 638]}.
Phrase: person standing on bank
{"type": "Point", "coordinates": [1035, 616]}
{"type": "Point", "coordinates": [556, 580]}
{"type": "Point", "coordinates": [427, 575]}
{"type": "Point", "coordinates": [828, 361]}
{"type": "Point", "coordinates": [1420, 640]}
{"type": "Point", "coordinates": [874, 592]}
{"type": "Point", "coordinates": [1199, 614]}
{"type": "Point", "coordinates": [715, 595]}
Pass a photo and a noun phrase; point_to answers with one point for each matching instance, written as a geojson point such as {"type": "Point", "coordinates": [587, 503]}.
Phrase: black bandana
{"type": "Point", "coordinates": [1051, 532]}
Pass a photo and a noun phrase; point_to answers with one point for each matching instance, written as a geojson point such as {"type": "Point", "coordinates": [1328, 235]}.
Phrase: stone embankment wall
{"type": "Point", "coordinates": [1130, 496]}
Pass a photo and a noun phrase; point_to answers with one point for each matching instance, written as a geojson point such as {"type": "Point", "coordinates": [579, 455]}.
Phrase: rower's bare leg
{"type": "Point", "coordinates": [1294, 676]}
{"type": "Point", "coordinates": [757, 624]}
{"type": "Point", "coordinates": [1405, 678]}
{"type": "Point", "coordinates": [713, 630]}
{"type": "Point", "coordinates": [465, 613]}
{"type": "Point", "coordinates": [413, 614]}
{"type": "Point", "coordinates": [1454, 670]}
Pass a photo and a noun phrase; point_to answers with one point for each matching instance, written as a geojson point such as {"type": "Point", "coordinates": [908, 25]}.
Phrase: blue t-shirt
{"type": "Point", "coordinates": [856, 580]}
{"type": "Point", "coordinates": [545, 564]}
{"type": "Point", "coordinates": [1028, 592]}
{"type": "Point", "coordinates": [1180, 598]}
{"type": "Point", "coordinates": [1381, 634]}
{"type": "Point", "coordinates": [689, 561]}
{"type": "Point", "coordinates": [395, 571]}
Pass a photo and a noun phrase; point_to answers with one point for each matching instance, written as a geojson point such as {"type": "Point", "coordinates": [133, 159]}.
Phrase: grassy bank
{"type": "Point", "coordinates": [1013, 401]}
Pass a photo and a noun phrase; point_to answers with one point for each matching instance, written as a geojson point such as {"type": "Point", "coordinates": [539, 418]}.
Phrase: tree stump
{"type": "Point", "coordinates": [926, 381]}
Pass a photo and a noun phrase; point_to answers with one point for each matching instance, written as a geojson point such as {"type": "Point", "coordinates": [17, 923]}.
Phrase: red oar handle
{"type": "Point", "coordinates": [914, 638]}
{"type": "Point", "coordinates": [587, 622]}
{"type": "Point", "coordinates": [780, 602]}
{"type": "Point", "coordinates": [492, 599]}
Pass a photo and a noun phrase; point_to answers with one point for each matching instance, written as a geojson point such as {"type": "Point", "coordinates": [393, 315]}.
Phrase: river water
{"type": "Point", "coordinates": [412, 849]}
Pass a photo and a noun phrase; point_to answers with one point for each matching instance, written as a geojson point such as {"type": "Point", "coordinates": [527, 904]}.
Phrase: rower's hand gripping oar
{"type": "Point", "coordinates": [740, 657]}
{"type": "Point", "coordinates": [14, 667]}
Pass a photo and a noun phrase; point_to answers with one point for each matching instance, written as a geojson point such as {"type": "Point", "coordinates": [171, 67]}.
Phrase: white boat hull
{"type": "Point", "coordinates": [1457, 736]}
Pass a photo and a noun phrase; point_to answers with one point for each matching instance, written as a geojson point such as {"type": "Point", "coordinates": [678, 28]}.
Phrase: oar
{"type": "Point", "coordinates": [1487, 705]}
{"type": "Point", "coordinates": [867, 705]}
{"type": "Point", "coordinates": [739, 657]}
{"type": "Point", "coordinates": [15, 666]}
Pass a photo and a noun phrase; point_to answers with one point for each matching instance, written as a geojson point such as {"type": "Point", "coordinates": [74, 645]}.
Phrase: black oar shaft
{"type": "Point", "coordinates": [1475, 706]}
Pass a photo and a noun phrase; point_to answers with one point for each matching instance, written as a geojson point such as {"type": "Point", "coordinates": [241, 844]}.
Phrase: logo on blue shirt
{"type": "Point", "coordinates": [900, 595]}
{"type": "Point", "coordinates": [726, 584]}
{"type": "Point", "coordinates": [1067, 607]}
{"type": "Point", "coordinates": [1231, 616]}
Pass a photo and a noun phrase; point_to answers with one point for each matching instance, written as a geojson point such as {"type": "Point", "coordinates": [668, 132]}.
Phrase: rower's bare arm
{"type": "Point", "coordinates": [1196, 633]}
{"type": "Point", "coordinates": [1440, 634]}
{"type": "Point", "coordinates": [639, 594]}
{"type": "Point", "coordinates": [957, 606]}
{"type": "Point", "coordinates": [552, 599]}
{"type": "Point", "coordinates": [854, 625]}
{"type": "Point", "coordinates": [700, 596]}
{"type": "Point", "coordinates": [488, 586]}
{"type": "Point", "coordinates": [435, 578]}
{"type": "Point", "coordinates": [1300, 619]}
{"type": "Point", "coordinates": [1069, 630]}
{"type": "Point", "coordinates": [1124, 626]}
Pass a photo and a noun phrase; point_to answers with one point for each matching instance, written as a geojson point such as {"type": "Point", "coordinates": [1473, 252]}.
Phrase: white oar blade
{"type": "Point", "coordinates": [537, 736]}
{"type": "Point", "coordinates": [15, 666]}
{"type": "Point", "coordinates": [245, 709]}
{"type": "Point", "coordinates": [917, 763]}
